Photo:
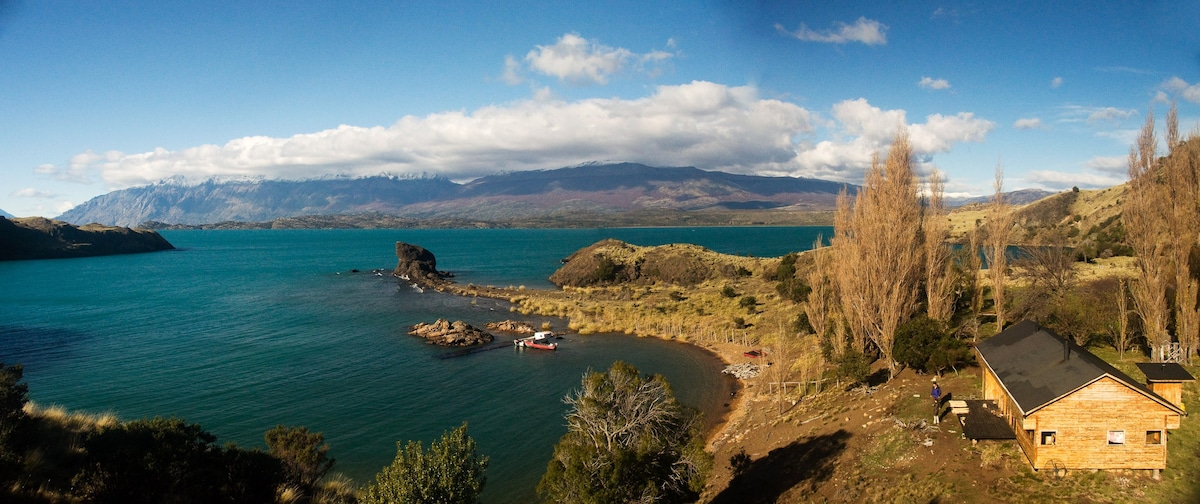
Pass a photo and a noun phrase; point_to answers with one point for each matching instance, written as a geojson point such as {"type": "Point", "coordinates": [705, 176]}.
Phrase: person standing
{"type": "Point", "coordinates": [936, 394]}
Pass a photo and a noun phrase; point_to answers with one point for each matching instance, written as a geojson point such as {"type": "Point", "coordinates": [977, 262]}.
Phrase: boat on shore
{"type": "Point", "coordinates": [540, 340]}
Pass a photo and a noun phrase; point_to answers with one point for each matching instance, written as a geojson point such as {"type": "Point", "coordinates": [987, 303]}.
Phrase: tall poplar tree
{"type": "Point", "coordinates": [999, 223]}
{"type": "Point", "coordinates": [939, 278]}
{"type": "Point", "coordinates": [877, 250]}
{"type": "Point", "coordinates": [1162, 221]}
{"type": "Point", "coordinates": [1144, 218]}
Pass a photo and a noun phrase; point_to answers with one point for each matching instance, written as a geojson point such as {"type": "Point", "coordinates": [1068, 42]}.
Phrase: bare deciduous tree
{"type": "Point", "coordinates": [1121, 336]}
{"type": "Point", "coordinates": [1050, 268]}
{"type": "Point", "coordinates": [820, 304]}
{"type": "Point", "coordinates": [1143, 215]}
{"type": "Point", "coordinates": [999, 223]}
{"type": "Point", "coordinates": [975, 268]}
{"type": "Point", "coordinates": [1180, 166]}
{"type": "Point", "coordinates": [939, 278]}
{"type": "Point", "coordinates": [876, 250]}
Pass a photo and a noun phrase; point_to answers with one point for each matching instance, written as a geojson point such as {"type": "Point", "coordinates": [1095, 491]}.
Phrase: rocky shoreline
{"type": "Point", "coordinates": [418, 266]}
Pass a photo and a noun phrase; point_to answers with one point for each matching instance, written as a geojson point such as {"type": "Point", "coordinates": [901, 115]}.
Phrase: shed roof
{"type": "Point", "coordinates": [1037, 367]}
{"type": "Point", "coordinates": [1164, 372]}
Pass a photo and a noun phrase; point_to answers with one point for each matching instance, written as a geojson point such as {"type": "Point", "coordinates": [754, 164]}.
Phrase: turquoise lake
{"type": "Point", "coordinates": [242, 330]}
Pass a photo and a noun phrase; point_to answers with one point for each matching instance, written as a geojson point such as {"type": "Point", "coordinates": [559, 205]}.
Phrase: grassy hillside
{"type": "Point", "coordinates": [1086, 219]}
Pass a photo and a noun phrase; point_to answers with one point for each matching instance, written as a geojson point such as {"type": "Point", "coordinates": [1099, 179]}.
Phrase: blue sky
{"type": "Point", "coordinates": [98, 96]}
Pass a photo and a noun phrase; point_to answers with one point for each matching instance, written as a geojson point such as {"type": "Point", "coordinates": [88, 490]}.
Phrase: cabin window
{"type": "Point", "coordinates": [1153, 437]}
{"type": "Point", "coordinates": [1116, 437]}
{"type": "Point", "coordinates": [1049, 437]}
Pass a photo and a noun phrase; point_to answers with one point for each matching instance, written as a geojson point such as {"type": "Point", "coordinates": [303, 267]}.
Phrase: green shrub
{"type": "Point", "coordinates": [853, 366]}
{"type": "Point", "coordinates": [922, 344]}
{"type": "Point", "coordinates": [304, 455]}
{"type": "Point", "coordinates": [14, 423]}
{"type": "Point", "coordinates": [606, 270]}
{"type": "Point", "coordinates": [451, 472]}
{"type": "Point", "coordinates": [748, 302]}
{"type": "Point", "coordinates": [170, 460]}
{"type": "Point", "coordinates": [627, 440]}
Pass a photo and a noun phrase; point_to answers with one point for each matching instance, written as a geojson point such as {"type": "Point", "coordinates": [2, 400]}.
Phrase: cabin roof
{"type": "Point", "coordinates": [1037, 367]}
{"type": "Point", "coordinates": [1164, 372]}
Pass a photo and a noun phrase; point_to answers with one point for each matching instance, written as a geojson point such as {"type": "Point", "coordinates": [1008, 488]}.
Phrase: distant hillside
{"type": "Point", "coordinates": [1019, 197]}
{"type": "Point", "coordinates": [1089, 220]}
{"type": "Point", "coordinates": [542, 196]}
{"type": "Point", "coordinates": [38, 238]}
{"type": "Point", "coordinates": [255, 200]}
{"type": "Point", "coordinates": [6, 215]}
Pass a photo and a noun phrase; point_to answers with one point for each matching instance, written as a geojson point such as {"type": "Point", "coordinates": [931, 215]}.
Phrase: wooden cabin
{"type": "Point", "coordinates": [1068, 408]}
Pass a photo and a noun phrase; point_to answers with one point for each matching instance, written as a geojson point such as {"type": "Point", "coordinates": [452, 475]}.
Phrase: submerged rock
{"type": "Point", "coordinates": [446, 333]}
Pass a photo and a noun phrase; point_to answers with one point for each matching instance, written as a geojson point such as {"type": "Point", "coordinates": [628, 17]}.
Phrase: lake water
{"type": "Point", "coordinates": [242, 330]}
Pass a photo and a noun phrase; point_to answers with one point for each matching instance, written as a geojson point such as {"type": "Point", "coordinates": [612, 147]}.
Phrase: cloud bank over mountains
{"type": "Point", "coordinates": [703, 124]}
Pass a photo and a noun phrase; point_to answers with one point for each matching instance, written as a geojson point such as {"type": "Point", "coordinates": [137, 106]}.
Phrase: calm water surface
{"type": "Point", "coordinates": [242, 330]}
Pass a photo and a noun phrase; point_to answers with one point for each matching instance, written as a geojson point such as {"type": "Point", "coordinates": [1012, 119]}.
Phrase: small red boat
{"type": "Point", "coordinates": [754, 354]}
{"type": "Point", "coordinates": [538, 341]}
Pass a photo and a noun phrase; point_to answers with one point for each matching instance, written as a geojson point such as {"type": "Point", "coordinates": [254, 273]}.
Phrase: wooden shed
{"type": "Point", "coordinates": [1166, 379]}
{"type": "Point", "coordinates": [1068, 408]}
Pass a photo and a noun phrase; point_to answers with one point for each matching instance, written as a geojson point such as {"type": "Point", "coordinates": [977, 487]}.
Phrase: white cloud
{"type": "Point", "coordinates": [30, 192]}
{"type": "Point", "coordinates": [866, 130]}
{"type": "Point", "coordinates": [1056, 82]}
{"type": "Point", "coordinates": [866, 31]}
{"type": "Point", "coordinates": [1058, 180]}
{"type": "Point", "coordinates": [703, 124]}
{"type": "Point", "coordinates": [1098, 172]}
{"type": "Point", "coordinates": [578, 61]}
{"type": "Point", "coordinates": [1180, 87]}
{"type": "Point", "coordinates": [1027, 123]}
{"type": "Point", "coordinates": [1116, 165]}
{"type": "Point", "coordinates": [1093, 115]}
{"type": "Point", "coordinates": [1110, 114]}
{"type": "Point", "coordinates": [512, 71]}
{"type": "Point", "coordinates": [63, 206]}
{"type": "Point", "coordinates": [931, 83]}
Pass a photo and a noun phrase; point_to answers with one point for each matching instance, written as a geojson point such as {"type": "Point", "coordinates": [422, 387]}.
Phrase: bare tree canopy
{"type": "Point", "coordinates": [1162, 219]}
{"type": "Point", "coordinates": [877, 250]}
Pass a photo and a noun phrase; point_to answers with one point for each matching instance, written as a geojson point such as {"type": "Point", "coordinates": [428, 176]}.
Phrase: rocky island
{"type": "Point", "coordinates": [446, 333]}
{"type": "Point", "coordinates": [40, 238]}
{"type": "Point", "coordinates": [419, 266]}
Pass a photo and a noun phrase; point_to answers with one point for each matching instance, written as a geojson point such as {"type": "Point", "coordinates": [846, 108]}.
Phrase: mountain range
{"type": "Point", "coordinates": [592, 189]}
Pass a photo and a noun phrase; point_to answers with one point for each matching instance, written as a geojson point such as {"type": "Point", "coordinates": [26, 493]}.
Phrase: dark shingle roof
{"type": "Point", "coordinates": [1164, 372]}
{"type": "Point", "coordinates": [1029, 361]}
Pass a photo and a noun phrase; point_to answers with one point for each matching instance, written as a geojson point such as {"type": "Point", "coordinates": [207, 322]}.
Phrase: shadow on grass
{"type": "Point", "coordinates": [806, 461]}
{"type": "Point", "coordinates": [879, 377]}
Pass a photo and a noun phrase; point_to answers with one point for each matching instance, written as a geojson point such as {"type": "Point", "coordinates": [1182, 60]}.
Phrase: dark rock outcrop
{"type": "Point", "coordinates": [446, 333]}
{"type": "Point", "coordinates": [418, 265]}
{"type": "Point", "coordinates": [39, 238]}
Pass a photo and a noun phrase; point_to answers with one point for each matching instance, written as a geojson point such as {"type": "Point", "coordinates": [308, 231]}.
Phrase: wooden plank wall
{"type": "Point", "coordinates": [1083, 419]}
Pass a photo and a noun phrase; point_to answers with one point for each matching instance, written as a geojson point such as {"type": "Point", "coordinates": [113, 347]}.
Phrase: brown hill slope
{"type": "Point", "coordinates": [1088, 220]}
{"type": "Point", "coordinates": [39, 238]}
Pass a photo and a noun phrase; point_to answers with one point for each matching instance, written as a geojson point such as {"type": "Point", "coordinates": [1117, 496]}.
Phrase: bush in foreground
{"type": "Point", "coordinates": [628, 440]}
{"type": "Point", "coordinates": [451, 472]}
